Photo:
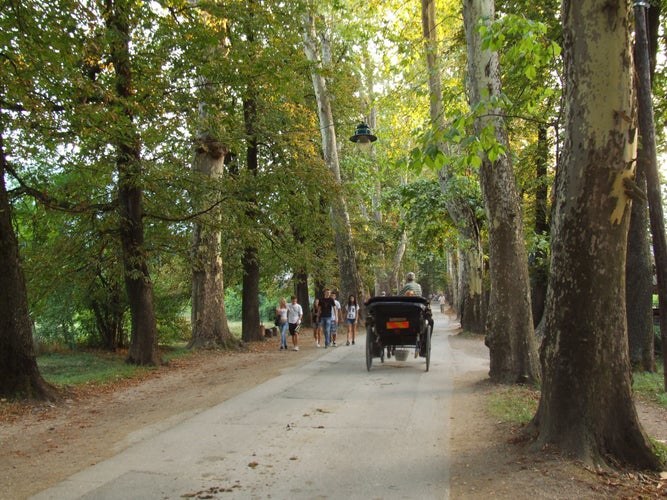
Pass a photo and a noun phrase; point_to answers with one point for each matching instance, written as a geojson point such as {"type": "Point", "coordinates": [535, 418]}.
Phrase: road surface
{"type": "Point", "coordinates": [329, 429]}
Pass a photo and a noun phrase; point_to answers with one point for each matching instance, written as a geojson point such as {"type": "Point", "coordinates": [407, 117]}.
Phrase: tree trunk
{"type": "Point", "coordinates": [639, 264]}
{"type": "Point", "coordinates": [19, 374]}
{"type": "Point", "coordinates": [208, 316]}
{"type": "Point", "coordinates": [457, 207]}
{"type": "Point", "coordinates": [639, 281]}
{"type": "Point", "coordinates": [251, 318]}
{"type": "Point", "coordinates": [539, 273]}
{"type": "Point", "coordinates": [647, 128]}
{"type": "Point", "coordinates": [509, 322]}
{"type": "Point", "coordinates": [350, 279]}
{"type": "Point", "coordinates": [471, 287]}
{"type": "Point", "coordinates": [143, 342]}
{"type": "Point", "coordinates": [302, 298]}
{"type": "Point", "coordinates": [452, 293]}
{"type": "Point", "coordinates": [586, 407]}
{"type": "Point", "coordinates": [395, 283]}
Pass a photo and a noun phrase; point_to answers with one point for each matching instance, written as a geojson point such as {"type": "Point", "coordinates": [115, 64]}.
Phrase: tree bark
{"type": "Point", "coordinates": [639, 264]}
{"type": "Point", "coordinates": [250, 315]}
{"type": "Point", "coordinates": [350, 278]}
{"type": "Point", "coordinates": [586, 408]}
{"type": "Point", "coordinates": [539, 273]}
{"type": "Point", "coordinates": [509, 323]}
{"type": "Point", "coordinates": [208, 316]}
{"type": "Point", "coordinates": [649, 155]}
{"type": "Point", "coordinates": [143, 341]}
{"type": "Point", "coordinates": [19, 374]}
{"type": "Point", "coordinates": [459, 209]}
{"type": "Point", "coordinates": [639, 281]}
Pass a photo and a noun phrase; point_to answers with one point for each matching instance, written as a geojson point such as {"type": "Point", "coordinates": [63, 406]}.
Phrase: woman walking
{"type": "Point", "coordinates": [317, 321]}
{"type": "Point", "coordinates": [351, 318]}
{"type": "Point", "coordinates": [281, 316]}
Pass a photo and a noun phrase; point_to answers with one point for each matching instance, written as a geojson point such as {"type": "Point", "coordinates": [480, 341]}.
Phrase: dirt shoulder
{"type": "Point", "coordinates": [42, 445]}
{"type": "Point", "coordinates": [491, 459]}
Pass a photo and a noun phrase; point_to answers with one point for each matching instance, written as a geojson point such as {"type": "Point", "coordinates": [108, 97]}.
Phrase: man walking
{"type": "Point", "coordinates": [328, 305]}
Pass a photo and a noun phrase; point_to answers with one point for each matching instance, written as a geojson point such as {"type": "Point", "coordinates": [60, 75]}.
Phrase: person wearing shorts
{"type": "Point", "coordinates": [351, 318]}
{"type": "Point", "coordinates": [294, 316]}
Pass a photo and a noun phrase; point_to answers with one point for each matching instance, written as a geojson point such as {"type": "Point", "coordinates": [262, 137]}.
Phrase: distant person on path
{"type": "Point", "coordinates": [294, 316]}
{"type": "Point", "coordinates": [336, 318]}
{"type": "Point", "coordinates": [316, 313]}
{"type": "Point", "coordinates": [351, 318]}
{"type": "Point", "coordinates": [281, 314]}
{"type": "Point", "coordinates": [411, 286]}
{"type": "Point", "coordinates": [443, 301]}
{"type": "Point", "coordinates": [327, 305]}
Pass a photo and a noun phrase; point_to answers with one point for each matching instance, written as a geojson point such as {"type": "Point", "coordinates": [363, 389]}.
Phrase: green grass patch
{"type": "Point", "coordinates": [236, 328]}
{"type": "Point", "coordinates": [650, 386]}
{"type": "Point", "coordinates": [75, 368]}
{"type": "Point", "coordinates": [514, 404]}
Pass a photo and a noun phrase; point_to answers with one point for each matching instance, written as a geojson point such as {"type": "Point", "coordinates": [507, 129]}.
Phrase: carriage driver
{"type": "Point", "coordinates": [411, 287]}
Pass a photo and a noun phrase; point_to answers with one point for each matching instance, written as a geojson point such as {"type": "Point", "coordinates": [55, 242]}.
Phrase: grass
{"type": "Point", "coordinates": [514, 404]}
{"type": "Point", "coordinates": [76, 368]}
{"type": "Point", "coordinates": [518, 404]}
{"type": "Point", "coordinates": [650, 386]}
{"type": "Point", "coordinates": [71, 368]}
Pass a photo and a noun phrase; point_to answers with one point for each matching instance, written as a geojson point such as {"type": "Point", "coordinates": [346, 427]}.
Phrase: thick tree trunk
{"type": "Point", "coordinates": [208, 316]}
{"type": "Point", "coordinates": [19, 374]}
{"type": "Point", "coordinates": [586, 408]}
{"type": "Point", "coordinates": [250, 316]}
{"type": "Point", "coordinates": [509, 322]}
{"type": "Point", "coordinates": [250, 294]}
{"type": "Point", "coordinates": [143, 342]}
{"type": "Point", "coordinates": [350, 279]}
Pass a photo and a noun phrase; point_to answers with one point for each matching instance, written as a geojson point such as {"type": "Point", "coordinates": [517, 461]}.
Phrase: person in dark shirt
{"type": "Point", "coordinates": [327, 304]}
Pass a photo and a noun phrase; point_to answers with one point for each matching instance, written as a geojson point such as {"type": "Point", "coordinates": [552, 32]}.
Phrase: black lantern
{"type": "Point", "coordinates": [362, 135]}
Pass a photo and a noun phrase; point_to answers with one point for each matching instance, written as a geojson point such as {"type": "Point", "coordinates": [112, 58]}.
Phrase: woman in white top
{"type": "Point", "coordinates": [281, 313]}
{"type": "Point", "coordinates": [351, 318]}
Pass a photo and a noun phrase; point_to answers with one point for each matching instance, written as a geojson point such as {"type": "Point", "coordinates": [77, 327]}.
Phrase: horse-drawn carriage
{"type": "Point", "coordinates": [396, 324]}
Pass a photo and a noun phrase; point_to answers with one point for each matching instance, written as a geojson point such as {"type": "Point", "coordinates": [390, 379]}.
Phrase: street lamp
{"type": "Point", "coordinates": [363, 137]}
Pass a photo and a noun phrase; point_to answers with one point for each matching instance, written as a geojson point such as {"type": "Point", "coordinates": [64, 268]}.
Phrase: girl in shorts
{"type": "Point", "coordinates": [351, 318]}
{"type": "Point", "coordinates": [317, 321]}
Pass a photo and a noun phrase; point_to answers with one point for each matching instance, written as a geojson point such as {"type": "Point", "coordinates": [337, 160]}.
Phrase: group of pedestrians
{"type": "Point", "coordinates": [327, 314]}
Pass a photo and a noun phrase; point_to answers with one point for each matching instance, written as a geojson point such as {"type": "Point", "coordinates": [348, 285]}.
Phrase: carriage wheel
{"type": "Point", "coordinates": [370, 338]}
{"type": "Point", "coordinates": [427, 331]}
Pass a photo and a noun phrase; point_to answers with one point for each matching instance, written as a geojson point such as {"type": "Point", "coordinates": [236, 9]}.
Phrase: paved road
{"type": "Point", "coordinates": [326, 430]}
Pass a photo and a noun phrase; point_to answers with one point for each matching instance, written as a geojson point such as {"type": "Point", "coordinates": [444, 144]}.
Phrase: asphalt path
{"type": "Point", "coordinates": [329, 429]}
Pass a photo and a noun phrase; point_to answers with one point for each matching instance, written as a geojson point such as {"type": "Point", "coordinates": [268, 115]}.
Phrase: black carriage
{"type": "Point", "coordinates": [398, 322]}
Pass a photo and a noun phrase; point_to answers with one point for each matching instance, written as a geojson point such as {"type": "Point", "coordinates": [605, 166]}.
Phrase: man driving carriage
{"type": "Point", "coordinates": [411, 287]}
